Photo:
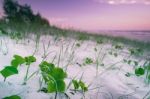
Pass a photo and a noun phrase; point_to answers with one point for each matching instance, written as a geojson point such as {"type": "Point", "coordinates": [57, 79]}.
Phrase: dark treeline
{"type": "Point", "coordinates": [20, 18]}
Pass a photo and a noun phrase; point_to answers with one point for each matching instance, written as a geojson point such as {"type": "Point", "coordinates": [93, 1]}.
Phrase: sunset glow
{"type": "Point", "coordinates": [94, 14]}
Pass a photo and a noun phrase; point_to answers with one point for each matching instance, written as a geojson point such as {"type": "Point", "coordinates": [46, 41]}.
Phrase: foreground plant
{"type": "Point", "coordinates": [53, 77]}
{"type": "Point", "coordinates": [15, 63]}
{"type": "Point", "coordinates": [12, 69]}
{"type": "Point", "coordinates": [142, 71]}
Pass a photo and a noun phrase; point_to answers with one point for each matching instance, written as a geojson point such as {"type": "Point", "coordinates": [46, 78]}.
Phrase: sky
{"type": "Point", "coordinates": [94, 15]}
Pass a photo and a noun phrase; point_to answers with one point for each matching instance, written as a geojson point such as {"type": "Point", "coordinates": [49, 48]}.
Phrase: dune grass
{"type": "Point", "coordinates": [81, 35]}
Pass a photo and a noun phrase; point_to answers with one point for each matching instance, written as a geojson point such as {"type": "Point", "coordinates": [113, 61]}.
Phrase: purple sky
{"type": "Point", "coordinates": [94, 14]}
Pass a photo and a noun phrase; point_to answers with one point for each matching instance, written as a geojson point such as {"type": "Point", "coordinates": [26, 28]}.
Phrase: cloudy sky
{"type": "Point", "coordinates": [94, 14]}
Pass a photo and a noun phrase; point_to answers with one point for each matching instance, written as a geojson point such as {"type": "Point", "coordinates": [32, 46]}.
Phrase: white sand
{"type": "Point", "coordinates": [112, 82]}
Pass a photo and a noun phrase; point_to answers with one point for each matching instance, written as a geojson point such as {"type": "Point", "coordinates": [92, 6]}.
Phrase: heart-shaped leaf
{"type": "Point", "coordinates": [8, 71]}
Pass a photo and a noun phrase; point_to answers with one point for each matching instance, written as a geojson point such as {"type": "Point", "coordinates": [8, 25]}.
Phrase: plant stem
{"type": "Point", "coordinates": [56, 95]}
{"type": "Point", "coordinates": [4, 79]}
{"type": "Point", "coordinates": [26, 76]}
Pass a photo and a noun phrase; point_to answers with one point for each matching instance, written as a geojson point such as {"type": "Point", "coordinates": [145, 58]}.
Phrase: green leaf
{"type": "Point", "coordinates": [76, 84]}
{"type": "Point", "coordinates": [30, 59]}
{"type": "Point", "coordinates": [54, 86]}
{"type": "Point", "coordinates": [58, 74]}
{"type": "Point", "coordinates": [88, 61]}
{"type": "Point", "coordinates": [13, 97]}
{"type": "Point", "coordinates": [61, 86]}
{"type": "Point", "coordinates": [139, 71]}
{"type": "Point", "coordinates": [8, 71]}
{"type": "Point", "coordinates": [51, 86]}
{"type": "Point", "coordinates": [83, 87]}
{"type": "Point", "coordinates": [46, 67]}
{"type": "Point", "coordinates": [15, 63]}
{"type": "Point", "coordinates": [18, 60]}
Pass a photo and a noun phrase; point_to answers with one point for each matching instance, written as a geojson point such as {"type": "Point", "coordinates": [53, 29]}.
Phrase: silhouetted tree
{"type": "Point", "coordinates": [21, 18]}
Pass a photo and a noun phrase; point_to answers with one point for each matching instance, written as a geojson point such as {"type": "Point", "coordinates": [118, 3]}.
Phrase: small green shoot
{"type": "Point", "coordinates": [79, 85]}
{"type": "Point", "coordinates": [136, 51]}
{"type": "Point", "coordinates": [88, 61]}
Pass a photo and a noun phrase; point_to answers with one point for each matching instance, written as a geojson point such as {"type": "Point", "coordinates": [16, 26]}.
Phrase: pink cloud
{"type": "Point", "coordinates": [124, 1]}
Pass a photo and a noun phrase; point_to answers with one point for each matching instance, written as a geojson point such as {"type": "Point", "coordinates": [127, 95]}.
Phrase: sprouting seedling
{"type": "Point", "coordinates": [12, 97]}
{"type": "Point", "coordinates": [11, 70]}
{"type": "Point", "coordinates": [28, 60]}
{"type": "Point", "coordinates": [53, 77]}
{"type": "Point", "coordinates": [136, 51]}
{"type": "Point", "coordinates": [8, 71]}
{"type": "Point", "coordinates": [116, 50]}
{"type": "Point", "coordinates": [145, 70]}
{"type": "Point", "coordinates": [131, 62]}
{"type": "Point", "coordinates": [19, 60]}
{"type": "Point", "coordinates": [88, 60]}
{"type": "Point", "coordinates": [79, 85]}
{"type": "Point", "coordinates": [139, 71]}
